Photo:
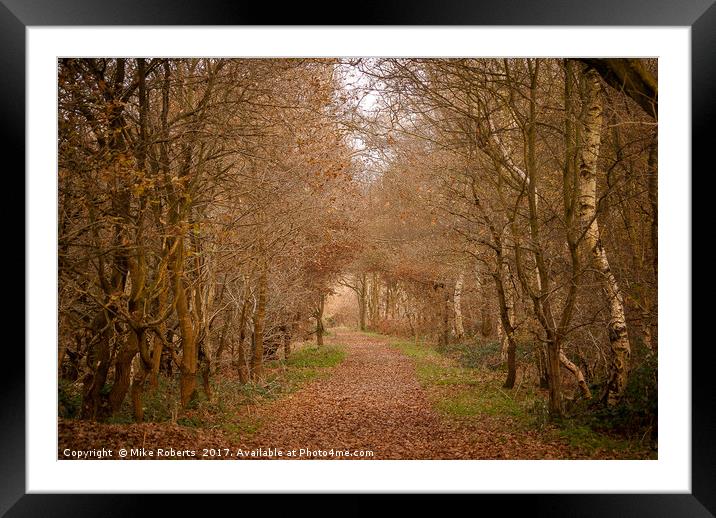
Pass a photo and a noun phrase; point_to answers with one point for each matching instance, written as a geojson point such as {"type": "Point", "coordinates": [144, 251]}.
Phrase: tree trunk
{"type": "Point", "coordinates": [457, 305]}
{"type": "Point", "coordinates": [631, 77]}
{"type": "Point", "coordinates": [485, 321]}
{"type": "Point", "coordinates": [205, 362]}
{"type": "Point", "coordinates": [541, 302]}
{"type": "Point", "coordinates": [506, 330]}
{"type": "Point", "coordinates": [542, 368]}
{"type": "Point", "coordinates": [157, 349]}
{"type": "Point", "coordinates": [554, 378]}
{"type": "Point", "coordinates": [98, 359]}
{"type": "Point", "coordinates": [228, 318]}
{"type": "Point", "coordinates": [570, 194]}
{"type": "Point", "coordinates": [571, 367]}
{"type": "Point", "coordinates": [362, 301]}
{"type": "Point", "coordinates": [388, 299]}
{"type": "Point", "coordinates": [444, 295]}
{"type": "Point", "coordinates": [374, 301]}
{"type": "Point", "coordinates": [243, 369]}
{"type": "Point", "coordinates": [653, 182]}
{"type": "Point", "coordinates": [650, 328]}
{"type": "Point", "coordinates": [136, 393]}
{"type": "Point", "coordinates": [188, 366]}
{"type": "Point", "coordinates": [168, 363]}
{"type": "Point", "coordinates": [258, 353]}
{"type": "Point", "coordinates": [506, 324]}
{"type": "Point", "coordinates": [158, 344]}
{"type": "Point", "coordinates": [588, 155]}
{"type": "Point", "coordinates": [123, 370]}
{"type": "Point", "coordinates": [319, 320]}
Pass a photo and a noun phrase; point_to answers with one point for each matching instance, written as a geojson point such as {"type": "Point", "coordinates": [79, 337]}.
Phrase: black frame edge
{"type": "Point", "coordinates": [700, 14]}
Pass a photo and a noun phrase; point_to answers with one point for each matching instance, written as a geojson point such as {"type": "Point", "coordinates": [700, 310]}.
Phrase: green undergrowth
{"type": "Point", "coordinates": [464, 384]}
{"type": "Point", "coordinates": [585, 438]}
{"type": "Point", "coordinates": [232, 407]}
{"type": "Point", "coordinates": [465, 392]}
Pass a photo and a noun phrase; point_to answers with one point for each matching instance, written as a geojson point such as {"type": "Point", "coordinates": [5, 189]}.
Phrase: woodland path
{"type": "Point", "coordinates": [373, 401]}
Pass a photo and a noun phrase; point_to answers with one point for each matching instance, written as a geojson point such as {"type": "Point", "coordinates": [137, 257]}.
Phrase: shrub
{"type": "Point", "coordinates": [636, 414]}
{"type": "Point", "coordinates": [635, 417]}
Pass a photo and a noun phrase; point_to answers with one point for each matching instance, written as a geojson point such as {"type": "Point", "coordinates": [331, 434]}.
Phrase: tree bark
{"type": "Point", "coordinates": [319, 320]}
{"type": "Point", "coordinates": [653, 182]}
{"type": "Point", "coordinates": [571, 367]}
{"type": "Point", "coordinates": [244, 374]}
{"type": "Point", "coordinates": [188, 366]}
{"type": "Point", "coordinates": [507, 321]}
{"type": "Point", "coordinates": [374, 301]}
{"type": "Point", "coordinates": [286, 342]}
{"type": "Point", "coordinates": [631, 77]}
{"type": "Point", "coordinates": [587, 214]}
{"type": "Point", "coordinates": [446, 316]}
{"type": "Point", "coordinates": [362, 302]}
{"type": "Point", "coordinates": [258, 353]}
{"type": "Point", "coordinates": [457, 307]}
{"type": "Point", "coordinates": [506, 325]}
{"type": "Point", "coordinates": [542, 303]}
{"type": "Point", "coordinates": [228, 319]}
{"type": "Point", "coordinates": [98, 360]}
{"type": "Point", "coordinates": [136, 393]}
{"type": "Point", "coordinates": [123, 370]}
{"type": "Point", "coordinates": [650, 328]}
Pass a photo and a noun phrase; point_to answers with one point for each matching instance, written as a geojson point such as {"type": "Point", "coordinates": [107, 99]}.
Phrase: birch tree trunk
{"type": "Point", "coordinates": [571, 367]}
{"type": "Point", "coordinates": [588, 154]}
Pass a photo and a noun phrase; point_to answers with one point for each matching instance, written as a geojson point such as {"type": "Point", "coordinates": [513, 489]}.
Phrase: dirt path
{"type": "Point", "coordinates": [373, 401]}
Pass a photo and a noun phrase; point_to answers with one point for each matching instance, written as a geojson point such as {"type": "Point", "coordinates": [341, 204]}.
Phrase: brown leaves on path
{"type": "Point", "coordinates": [374, 402]}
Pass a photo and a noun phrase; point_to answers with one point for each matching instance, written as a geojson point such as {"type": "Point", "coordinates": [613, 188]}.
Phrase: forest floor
{"type": "Point", "coordinates": [371, 397]}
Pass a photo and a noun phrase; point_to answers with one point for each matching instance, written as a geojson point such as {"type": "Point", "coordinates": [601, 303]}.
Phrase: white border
{"type": "Point", "coordinates": [671, 473]}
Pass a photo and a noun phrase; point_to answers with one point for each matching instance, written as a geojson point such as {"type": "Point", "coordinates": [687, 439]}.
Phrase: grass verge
{"type": "Point", "coordinates": [461, 392]}
{"type": "Point", "coordinates": [475, 393]}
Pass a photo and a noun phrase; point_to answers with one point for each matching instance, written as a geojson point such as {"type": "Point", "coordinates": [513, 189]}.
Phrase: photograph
{"type": "Point", "coordinates": [357, 258]}
{"type": "Point", "coordinates": [448, 248]}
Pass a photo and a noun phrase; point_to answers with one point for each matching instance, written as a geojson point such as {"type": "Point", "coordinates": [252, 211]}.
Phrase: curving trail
{"type": "Point", "coordinates": [373, 401]}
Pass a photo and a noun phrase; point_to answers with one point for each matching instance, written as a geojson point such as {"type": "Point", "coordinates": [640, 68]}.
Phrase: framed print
{"type": "Point", "coordinates": [430, 241]}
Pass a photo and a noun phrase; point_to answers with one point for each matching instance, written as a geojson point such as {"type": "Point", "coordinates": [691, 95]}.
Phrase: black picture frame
{"type": "Point", "coordinates": [700, 15]}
